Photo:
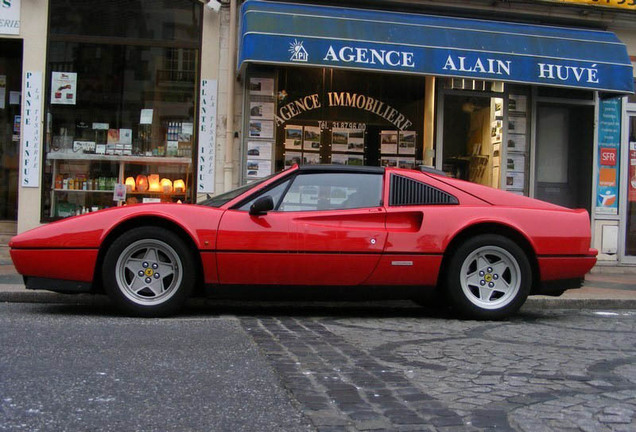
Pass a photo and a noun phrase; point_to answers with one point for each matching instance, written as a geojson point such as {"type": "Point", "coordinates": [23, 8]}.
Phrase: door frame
{"type": "Point", "coordinates": [629, 111]}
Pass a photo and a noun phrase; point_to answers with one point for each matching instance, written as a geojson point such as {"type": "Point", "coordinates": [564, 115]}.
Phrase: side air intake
{"type": "Point", "coordinates": [405, 191]}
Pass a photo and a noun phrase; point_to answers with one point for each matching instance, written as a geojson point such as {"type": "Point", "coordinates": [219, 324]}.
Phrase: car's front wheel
{"type": "Point", "coordinates": [149, 271]}
{"type": "Point", "coordinates": [489, 277]}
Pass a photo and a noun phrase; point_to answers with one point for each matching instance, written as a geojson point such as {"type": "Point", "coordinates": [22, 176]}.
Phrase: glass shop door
{"type": "Point", "coordinates": [10, 97]}
{"type": "Point", "coordinates": [629, 230]}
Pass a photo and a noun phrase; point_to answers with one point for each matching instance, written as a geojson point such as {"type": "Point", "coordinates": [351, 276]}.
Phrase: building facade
{"type": "Point", "coordinates": [174, 101]}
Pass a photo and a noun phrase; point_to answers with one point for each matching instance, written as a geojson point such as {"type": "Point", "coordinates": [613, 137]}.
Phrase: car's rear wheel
{"type": "Point", "coordinates": [489, 277]}
{"type": "Point", "coordinates": [149, 271]}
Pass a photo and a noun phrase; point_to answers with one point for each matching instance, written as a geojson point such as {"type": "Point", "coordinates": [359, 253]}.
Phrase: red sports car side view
{"type": "Point", "coordinates": [321, 225]}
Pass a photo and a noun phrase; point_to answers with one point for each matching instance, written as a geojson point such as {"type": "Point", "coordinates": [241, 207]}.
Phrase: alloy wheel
{"type": "Point", "coordinates": [149, 272]}
{"type": "Point", "coordinates": [490, 277]}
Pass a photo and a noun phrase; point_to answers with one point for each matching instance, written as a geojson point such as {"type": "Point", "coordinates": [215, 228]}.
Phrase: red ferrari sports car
{"type": "Point", "coordinates": [485, 249]}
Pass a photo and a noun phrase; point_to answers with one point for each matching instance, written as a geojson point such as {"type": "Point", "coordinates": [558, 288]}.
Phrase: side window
{"type": "Point", "coordinates": [333, 191]}
{"type": "Point", "coordinates": [276, 192]}
{"type": "Point", "coordinates": [406, 191]}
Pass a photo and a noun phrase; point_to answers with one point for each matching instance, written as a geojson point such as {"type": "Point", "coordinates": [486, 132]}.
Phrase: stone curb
{"type": "Point", "coordinates": [16, 296]}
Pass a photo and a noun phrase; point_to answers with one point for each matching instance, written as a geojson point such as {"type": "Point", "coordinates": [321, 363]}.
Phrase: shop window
{"type": "Point", "coordinates": [472, 136]}
{"type": "Point", "coordinates": [564, 154]}
{"type": "Point", "coordinates": [485, 136]}
{"type": "Point", "coordinates": [312, 115]}
{"type": "Point", "coordinates": [120, 103]}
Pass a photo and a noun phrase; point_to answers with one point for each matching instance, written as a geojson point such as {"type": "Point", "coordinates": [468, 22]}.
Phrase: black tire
{"type": "Point", "coordinates": [488, 277]}
{"type": "Point", "coordinates": [149, 272]}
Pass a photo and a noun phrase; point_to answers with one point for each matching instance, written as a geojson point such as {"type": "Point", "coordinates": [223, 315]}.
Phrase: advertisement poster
{"type": "Point", "coordinates": [14, 97]}
{"type": "Point", "coordinates": [146, 116]}
{"type": "Point", "coordinates": [207, 136]}
{"type": "Point", "coordinates": [609, 138]}
{"type": "Point", "coordinates": [63, 88]}
{"type": "Point", "coordinates": [31, 128]}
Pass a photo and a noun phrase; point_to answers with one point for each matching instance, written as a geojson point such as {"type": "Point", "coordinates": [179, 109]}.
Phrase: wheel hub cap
{"type": "Point", "coordinates": [149, 272]}
{"type": "Point", "coordinates": [490, 277]}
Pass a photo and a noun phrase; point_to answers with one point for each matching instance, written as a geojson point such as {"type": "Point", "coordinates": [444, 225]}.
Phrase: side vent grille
{"type": "Point", "coordinates": [405, 191]}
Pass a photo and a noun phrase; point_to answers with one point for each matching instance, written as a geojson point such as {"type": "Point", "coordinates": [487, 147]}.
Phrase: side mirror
{"type": "Point", "coordinates": [261, 206]}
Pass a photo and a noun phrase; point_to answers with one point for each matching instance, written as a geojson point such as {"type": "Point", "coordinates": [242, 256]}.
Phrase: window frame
{"type": "Point", "coordinates": [294, 177]}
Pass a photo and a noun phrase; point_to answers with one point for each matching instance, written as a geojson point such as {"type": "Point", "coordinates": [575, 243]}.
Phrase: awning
{"type": "Point", "coordinates": [325, 36]}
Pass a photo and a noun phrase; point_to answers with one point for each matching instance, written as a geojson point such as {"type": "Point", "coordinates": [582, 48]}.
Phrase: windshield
{"type": "Point", "coordinates": [219, 200]}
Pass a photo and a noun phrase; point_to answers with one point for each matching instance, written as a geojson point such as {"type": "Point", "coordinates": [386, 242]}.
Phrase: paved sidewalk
{"type": "Point", "coordinates": [605, 287]}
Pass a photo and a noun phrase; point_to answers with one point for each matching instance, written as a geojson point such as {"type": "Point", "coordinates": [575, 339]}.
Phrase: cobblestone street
{"type": "Point", "coordinates": [543, 370]}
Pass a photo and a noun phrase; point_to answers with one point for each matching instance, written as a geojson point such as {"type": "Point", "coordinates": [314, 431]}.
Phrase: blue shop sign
{"type": "Point", "coordinates": [325, 36]}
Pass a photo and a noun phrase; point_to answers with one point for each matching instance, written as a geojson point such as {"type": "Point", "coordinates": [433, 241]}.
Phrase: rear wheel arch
{"type": "Point", "coordinates": [491, 228]}
{"type": "Point", "coordinates": [146, 221]}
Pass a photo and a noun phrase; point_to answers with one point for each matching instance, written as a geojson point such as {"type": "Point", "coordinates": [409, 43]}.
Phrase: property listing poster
{"type": "Point", "coordinates": [609, 138]}
{"type": "Point", "coordinates": [259, 159]}
{"type": "Point", "coordinates": [349, 140]}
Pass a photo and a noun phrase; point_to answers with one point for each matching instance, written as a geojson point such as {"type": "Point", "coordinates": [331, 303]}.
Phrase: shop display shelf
{"type": "Point", "coordinates": [84, 190]}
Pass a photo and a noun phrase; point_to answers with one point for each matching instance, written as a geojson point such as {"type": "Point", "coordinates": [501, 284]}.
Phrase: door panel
{"type": "Point", "coordinates": [256, 249]}
{"type": "Point", "coordinates": [339, 247]}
